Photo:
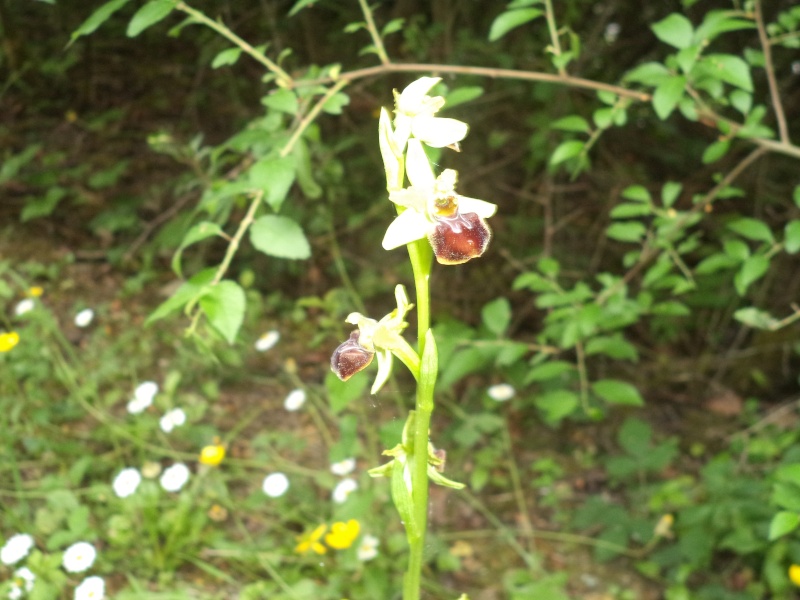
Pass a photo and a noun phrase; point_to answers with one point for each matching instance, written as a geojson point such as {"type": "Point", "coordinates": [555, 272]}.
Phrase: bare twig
{"type": "Point", "coordinates": [777, 105]}
{"type": "Point", "coordinates": [373, 32]}
{"type": "Point", "coordinates": [551, 27]}
{"type": "Point", "coordinates": [310, 116]}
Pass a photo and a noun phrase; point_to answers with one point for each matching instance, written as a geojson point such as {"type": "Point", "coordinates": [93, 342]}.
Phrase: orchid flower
{"type": "Point", "coordinates": [414, 116]}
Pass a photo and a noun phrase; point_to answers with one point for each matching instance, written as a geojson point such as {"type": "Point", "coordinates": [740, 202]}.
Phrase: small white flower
{"type": "Point", "coordinates": [267, 341]}
{"type": "Point", "coordinates": [275, 485]}
{"type": "Point", "coordinates": [796, 67]}
{"type": "Point", "coordinates": [84, 318]}
{"type": "Point", "coordinates": [91, 588]}
{"type": "Point", "coordinates": [343, 489]}
{"type": "Point", "coordinates": [16, 548]}
{"type": "Point", "coordinates": [142, 397]}
{"type": "Point", "coordinates": [21, 582]}
{"type": "Point", "coordinates": [368, 548]}
{"type": "Point", "coordinates": [295, 400]}
{"type": "Point", "coordinates": [175, 477]}
{"type": "Point", "coordinates": [501, 392]}
{"type": "Point", "coordinates": [612, 32]}
{"type": "Point", "coordinates": [126, 482]}
{"type": "Point", "coordinates": [24, 306]}
{"type": "Point", "coordinates": [343, 467]}
{"type": "Point", "coordinates": [172, 419]}
{"type": "Point", "coordinates": [78, 557]}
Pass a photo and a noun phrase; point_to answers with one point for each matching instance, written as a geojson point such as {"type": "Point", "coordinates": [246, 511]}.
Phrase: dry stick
{"type": "Point", "coordinates": [569, 80]}
{"type": "Point", "coordinates": [777, 106]}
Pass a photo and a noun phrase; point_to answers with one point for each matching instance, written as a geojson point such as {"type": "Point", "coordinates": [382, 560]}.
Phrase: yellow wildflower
{"type": "Point", "coordinates": [8, 340]}
{"type": "Point", "coordinates": [310, 541]}
{"type": "Point", "coordinates": [342, 535]}
{"type": "Point", "coordinates": [35, 291]}
{"type": "Point", "coordinates": [212, 455]}
{"type": "Point", "coordinates": [794, 574]}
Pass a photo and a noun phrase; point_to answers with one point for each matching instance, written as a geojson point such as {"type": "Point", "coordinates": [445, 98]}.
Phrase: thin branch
{"type": "Point", "coordinates": [551, 27]}
{"type": "Point", "coordinates": [373, 32]}
{"type": "Point", "coordinates": [777, 106]}
{"type": "Point", "coordinates": [309, 118]}
{"type": "Point", "coordinates": [568, 80]}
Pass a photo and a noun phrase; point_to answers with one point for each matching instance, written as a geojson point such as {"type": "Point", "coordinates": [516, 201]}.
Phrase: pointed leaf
{"type": "Point", "coordinates": [148, 15]}
{"type": "Point", "coordinates": [675, 30]}
{"type": "Point", "coordinates": [279, 236]}
{"type": "Point", "coordinates": [508, 20]}
{"type": "Point", "coordinates": [97, 18]}
{"type": "Point", "coordinates": [614, 391]}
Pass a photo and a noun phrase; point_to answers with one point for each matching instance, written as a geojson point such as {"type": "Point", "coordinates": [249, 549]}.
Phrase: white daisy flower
{"type": "Point", "coordinates": [24, 306]}
{"type": "Point", "coordinates": [16, 548]}
{"type": "Point", "coordinates": [275, 485]}
{"type": "Point", "coordinates": [295, 400]}
{"type": "Point", "coordinates": [501, 392]}
{"type": "Point", "coordinates": [21, 583]}
{"type": "Point", "coordinates": [126, 482]}
{"type": "Point", "coordinates": [343, 489]}
{"type": "Point", "coordinates": [267, 341]}
{"type": "Point", "coordinates": [142, 397]}
{"type": "Point", "coordinates": [79, 557]}
{"type": "Point", "coordinates": [91, 588]}
{"type": "Point", "coordinates": [343, 467]}
{"type": "Point", "coordinates": [175, 477]}
{"type": "Point", "coordinates": [368, 548]}
{"type": "Point", "coordinates": [84, 318]}
{"type": "Point", "coordinates": [172, 419]}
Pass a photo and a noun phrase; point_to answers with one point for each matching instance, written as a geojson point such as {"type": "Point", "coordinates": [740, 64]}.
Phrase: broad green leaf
{"type": "Point", "coordinates": [227, 57]}
{"type": "Point", "coordinates": [224, 305]}
{"type": "Point", "coordinates": [675, 30]}
{"type": "Point", "coordinates": [334, 104]}
{"type": "Point", "coordinates": [627, 210]}
{"type": "Point", "coordinates": [148, 15]}
{"type": "Point", "coordinates": [782, 523]}
{"type": "Point", "coordinates": [533, 282]}
{"type": "Point", "coordinates": [97, 18]}
{"type": "Point", "coordinates": [463, 95]}
{"type": "Point", "coordinates": [549, 370]}
{"type": "Point", "coordinates": [716, 151]}
{"type": "Point", "coordinates": [300, 5]}
{"type": "Point", "coordinates": [393, 26]}
{"type": "Point", "coordinates": [752, 229]}
{"type": "Point", "coordinates": [12, 164]}
{"type": "Point", "coordinates": [791, 240]}
{"type": "Point", "coordinates": [603, 117]}
{"type": "Point", "coordinates": [305, 172]}
{"type": "Point", "coordinates": [342, 393]}
{"type": "Point", "coordinates": [720, 21]}
{"type": "Point", "coordinates": [281, 100]}
{"type": "Point", "coordinates": [508, 20]}
{"type": "Point", "coordinates": [614, 346]}
{"type": "Point", "coordinates": [187, 293]}
{"type": "Point", "coordinates": [496, 315]}
{"type": "Point", "coordinates": [651, 74]}
{"type": "Point", "coordinates": [279, 236]}
{"type": "Point", "coordinates": [732, 69]}
{"type": "Point", "coordinates": [275, 175]}
{"type": "Point", "coordinates": [572, 123]}
{"type": "Point", "coordinates": [638, 193]}
{"type": "Point", "coordinates": [755, 318]}
{"type": "Point", "coordinates": [42, 206]}
{"type": "Point", "coordinates": [565, 151]}
{"type": "Point", "coordinates": [786, 494]}
{"type": "Point", "coordinates": [670, 193]}
{"type": "Point", "coordinates": [751, 270]}
{"type": "Point", "coordinates": [670, 308]}
{"type": "Point", "coordinates": [667, 95]}
{"type": "Point", "coordinates": [635, 436]}
{"type": "Point", "coordinates": [556, 404]}
{"type": "Point", "coordinates": [742, 101]}
{"type": "Point", "coordinates": [736, 249]}
{"type": "Point", "coordinates": [198, 232]}
{"type": "Point", "coordinates": [626, 232]}
{"type": "Point", "coordinates": [614, 391]}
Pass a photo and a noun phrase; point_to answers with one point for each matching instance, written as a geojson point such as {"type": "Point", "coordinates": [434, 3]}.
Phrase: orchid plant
{"type": "Point", "coordinates": [433, 220]}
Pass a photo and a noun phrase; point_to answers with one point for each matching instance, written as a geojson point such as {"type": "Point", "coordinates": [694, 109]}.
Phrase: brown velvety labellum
{"type": "Point", "coordinates": [459, 238]}
{"type": "Point", "coordinates": [350, 358]}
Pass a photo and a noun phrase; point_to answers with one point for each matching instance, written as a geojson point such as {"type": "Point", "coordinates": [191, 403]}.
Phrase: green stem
{"type": "Point", "coordinates": [421, 257]}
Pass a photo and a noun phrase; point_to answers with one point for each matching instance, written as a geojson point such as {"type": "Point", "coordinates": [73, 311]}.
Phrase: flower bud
{"type": "Point", "coordinates": [350, 357]}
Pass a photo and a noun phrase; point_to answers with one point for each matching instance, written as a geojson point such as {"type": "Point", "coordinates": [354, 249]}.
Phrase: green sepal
{"type": "Point", "coordinates": [440, 479]}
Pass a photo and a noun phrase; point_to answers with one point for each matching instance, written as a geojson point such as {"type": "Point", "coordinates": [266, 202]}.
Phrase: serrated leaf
{"type": "Point", "coordinates": [97, 18]}
{"type": "Point", "coordinates": [626, 232]}
{"type": "Point", "coordinates": [198, 232]}
{"type": "Point", "coordinates": [782, 523]}
{"type": "Point", "coordinates": [667, 95]}
{"type": "Point", "coordinates": [148, 15]}
{"type": "Point", "coordinates": [615, 391]}
{"type": "Point", "coordinates": [675, 30]}
{"type": "Point", "coordinates": [715, 151]}
{"type": "Point", "coordinates": [752, 229]}
{"type": "Point", "coordinates": [280, 236]}
{"type": "Point", "coordinates": [275, 175]}
{"type": "Point", "coordinates": [791, 236]}
{"type": "Point", "coordinates": [510, 19]}
{"type": "Point", "coordinates": [572, 123]}
{"type": "Point", "coordinates": [751, 271]}
{"type": "Point", "coordinates": [224, 306]}
{"type": "Point", "coordinates": [565, 151]}
{"type": "Point", "coordinates": [496, 315]}
{"type": "Point", "coordinates": [227, 57]}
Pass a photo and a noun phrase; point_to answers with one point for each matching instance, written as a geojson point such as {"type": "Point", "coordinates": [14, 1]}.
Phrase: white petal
{"type": "Point", "coordinates": [409, 226]}
{"type": "Point", "coordinates": [418, 168]}
{"type": "Point", "coordinates": [384, 370]}
{"type": "Point", "coordinates": [473, 205]}
{"type": "Point", "coordinates": [439, 132]}
{"type": "Point", "coordinates": [414, 93]}
{"type": "Point", "coordinates": [392, 156]}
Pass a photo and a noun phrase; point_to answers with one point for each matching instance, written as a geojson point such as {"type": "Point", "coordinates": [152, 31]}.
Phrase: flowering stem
{"type": "Point", "coordinates": [421, 257]}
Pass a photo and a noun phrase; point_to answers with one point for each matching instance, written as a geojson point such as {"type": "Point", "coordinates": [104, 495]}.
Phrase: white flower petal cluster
{"type": "Point", "coordinates": [295, 400]}
{"type": "Point", "coordinates": [21, 583]}
{"type": "Point", "coordinates": [142, 397]}
{"type": "Point", "coordinates": [174, 477]}
{"type": "Point", "coordinates": [267, 341]}
{"type": "Point", "coordinates": [501, 392]}
{"type": "Point", "coordinates": [16, 548]}
{"type": "Point", "coordinates": [343, 467]}
{"type": "Point", "coordinates": [368, 548]}
{"type": "Point", "coordinates": [84, 318]}
{"type": "Point", "coordinates": [79, 557]}
{"type": "Point", "coordinates": [172, 419]}
{"type": "Point", "coordinates": [24, 306]}
{"type": "Point", "coordinates": [126, 482]}
{"type": "Point", "coordinates": [343, 489]}
{"type": "Point", "coordinates": [275, 485]}
{"type": "Point", "coordinates": [91, 588]}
